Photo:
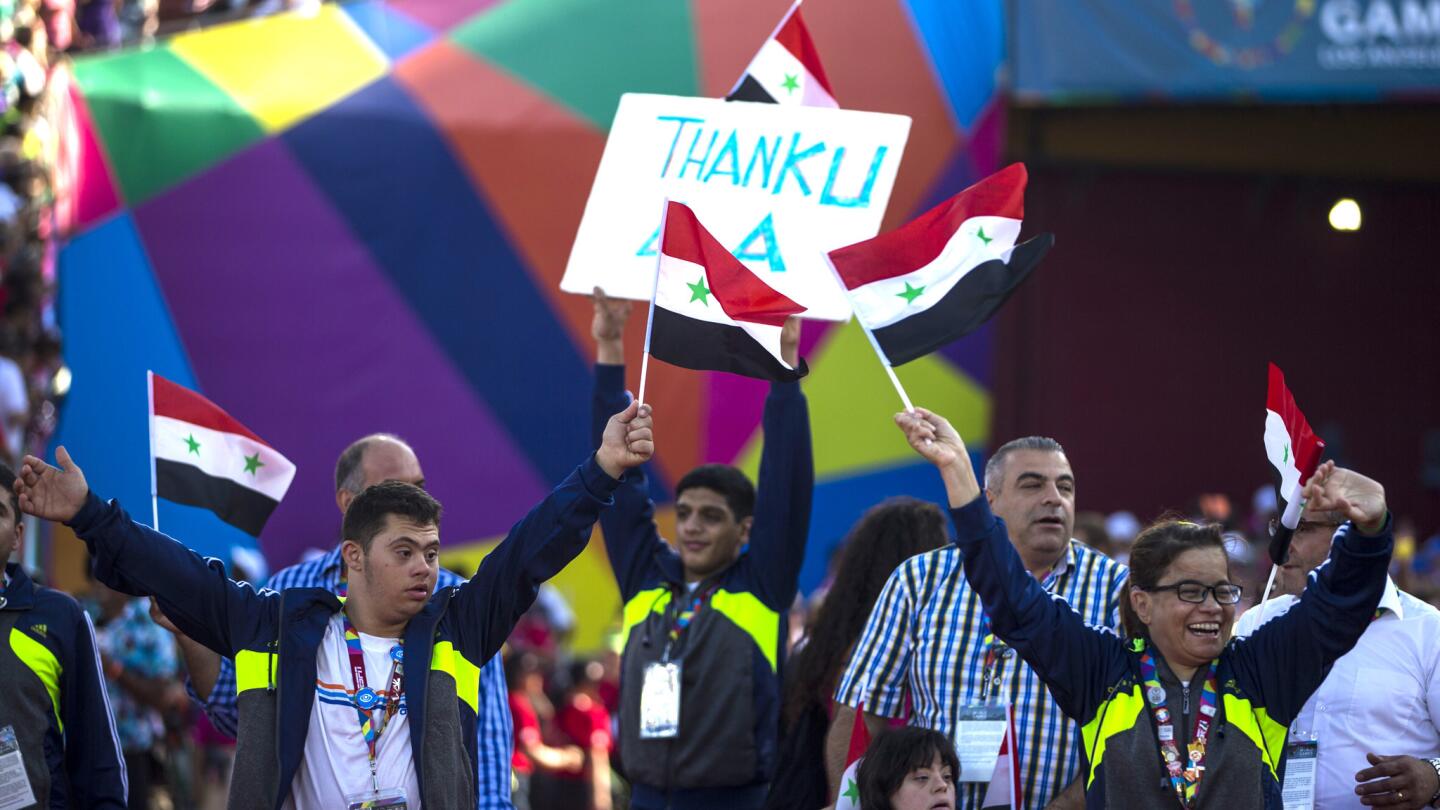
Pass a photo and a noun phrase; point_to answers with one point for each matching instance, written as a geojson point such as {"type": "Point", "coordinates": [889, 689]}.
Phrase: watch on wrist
{"type": "Point", "coordinates": [1435, 763]}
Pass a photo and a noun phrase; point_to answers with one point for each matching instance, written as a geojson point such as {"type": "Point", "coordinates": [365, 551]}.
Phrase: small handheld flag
{"type": "Point", "coordinates": [710, 312]}
{"type": "Point", "coordinates": [942, 275]}
{"type": "Point", "coordinates": [786, 69]}
{"type": "Point", "coordinates": [1294, 450]}
{"type": "Point", "coordinates": [201, 456]}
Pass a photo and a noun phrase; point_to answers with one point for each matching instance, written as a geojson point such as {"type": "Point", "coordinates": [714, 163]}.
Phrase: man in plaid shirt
{"type": "Point", "coordinates": [369, 461]}
{"type": "Point", "coordinates": [927, 643]}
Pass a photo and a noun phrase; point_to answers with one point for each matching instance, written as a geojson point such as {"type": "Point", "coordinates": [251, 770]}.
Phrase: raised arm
{"type": "Point", "coordinates": [549, 537]}
{"type": "Point", "coordinates": [631, 537]}
{"type": "Point", "coordinates": [1076, 661]}
{"type": "Point", "coordinates": [139, 561]}
{"type": "Point", "coordinates": [1291, 655]}
{"type": "Point", "coordinates": [786, 486]}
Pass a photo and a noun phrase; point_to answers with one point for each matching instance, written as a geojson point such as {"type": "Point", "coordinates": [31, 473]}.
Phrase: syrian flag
{"type": "Point", "coordinates": [942, 275]}
{"type": "Point", "coordinates": [710, 312]}
{"type": "Point", "coordinates": [1294, 450]}
{"type": "Point", "coordinates": [1004, 788]}
{"type": "Point", "coordinates": [786, 70]}
{"type": "Point", "coordinates": [203, 457]}
{"type": "Point", "coordinates": [849, 796]}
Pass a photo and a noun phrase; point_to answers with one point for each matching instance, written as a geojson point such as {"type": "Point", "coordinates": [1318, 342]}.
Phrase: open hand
{"type": "Point", "coordinates": [628, 441]}
{"type": "Point", "coordinates": [1396, 781]}
{"type": "Point", "coordinates": [1336, 489]}
{"type": "Point", "coordinates": [51, 493]}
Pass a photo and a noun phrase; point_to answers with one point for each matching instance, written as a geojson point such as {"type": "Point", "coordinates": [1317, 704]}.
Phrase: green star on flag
{"type": "Point", "coordinates": [253, 463]}
{"type": "Point", "coordinates": [852, 790]}
{"type": "Point", "coordinates": [699, 292]}
{"type": "Point", "coordinates": [911, 293]}
{"type": "Point", "coordinates": [791, 83]}
{"type": "Point", "coordinates": [983, 238]}
{"type": "Point", "coordinates": [192, 444]}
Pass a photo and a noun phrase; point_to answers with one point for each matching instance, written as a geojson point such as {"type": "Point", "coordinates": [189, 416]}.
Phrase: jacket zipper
{"type": "Point", "coordinates": [1185, 702]}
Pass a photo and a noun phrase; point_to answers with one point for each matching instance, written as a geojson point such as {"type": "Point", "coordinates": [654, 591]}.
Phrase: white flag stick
{"type": "Point", "coordinates": [874, 344]}
{"type": "Point", "coordinates": [154, 489]}
{"type": "Point", "coordinates": [654, 290]}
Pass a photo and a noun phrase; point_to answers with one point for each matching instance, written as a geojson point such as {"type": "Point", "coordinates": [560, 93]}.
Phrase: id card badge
{"type": "Point", "coordinates": [15, 789]}
{"type": "Point", "coordinates": [1301, 759]}
{"type": "Point", "coordinates": [979, 730]}
{"type": "Point", "coordinates": [660, 701]}
{"type": "Point", "coordinates": [391, 799]}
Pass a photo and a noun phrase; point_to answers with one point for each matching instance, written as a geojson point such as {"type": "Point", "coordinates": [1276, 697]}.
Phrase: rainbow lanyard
{"type": "Point", "coordinates": [688, 611]}
{"type": "Point", "coordinates": [366, 698]}
{"type": "Point", "coordinates": [1185, 778]}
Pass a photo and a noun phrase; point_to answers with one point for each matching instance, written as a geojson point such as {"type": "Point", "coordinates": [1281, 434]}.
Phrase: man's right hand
{"type": "Point", "coordinates": [48, 492]}
{"type": "Point", "coordinates": [628, 442]}
{"type": "Point", "coordinates": [608, 328]}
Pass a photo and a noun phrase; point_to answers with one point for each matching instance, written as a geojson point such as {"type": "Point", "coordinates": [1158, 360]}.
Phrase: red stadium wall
{"type": "Point", "coordinates": [1141, 343]}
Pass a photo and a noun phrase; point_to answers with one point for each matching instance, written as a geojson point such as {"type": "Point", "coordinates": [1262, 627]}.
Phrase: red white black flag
{"type": "Point", "coordinates": [710, 311]}
{"type": "Point", "coordinates": [1294, 450]}
{"type": "Point", "coordinates": [786, 70]}
{"type": "Point", "coordinates": [204, 457]}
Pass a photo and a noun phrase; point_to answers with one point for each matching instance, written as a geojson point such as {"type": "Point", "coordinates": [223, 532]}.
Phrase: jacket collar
{"type": "Point", "coordinates": [19, 593]}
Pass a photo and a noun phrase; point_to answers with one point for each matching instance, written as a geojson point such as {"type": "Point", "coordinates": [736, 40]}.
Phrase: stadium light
{"type": "Point", "coordinates": [1345, 215]}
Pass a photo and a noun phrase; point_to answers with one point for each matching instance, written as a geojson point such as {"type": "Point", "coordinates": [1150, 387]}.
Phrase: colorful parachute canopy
{"type": "Point", "coordinates": [357, 220]}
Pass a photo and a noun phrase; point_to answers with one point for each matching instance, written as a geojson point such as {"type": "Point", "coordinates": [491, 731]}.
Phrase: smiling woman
{"type": "Point", "coordinates": [1174, 714]}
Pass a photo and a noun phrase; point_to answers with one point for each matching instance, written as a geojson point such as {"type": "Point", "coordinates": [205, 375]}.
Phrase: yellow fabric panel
{"type": "Point", "coordinates": [752, 616]}
{"type": "Point", "coordinates": [1116, 715]}
{"type": "Point", "coordinates": [641, 605]}
{"type": "Point", "coordinates": [43, 663]}
{"type": "Point", "coordinates": [445, 658]}
{"type": "Point", "coordinates": [253, 670]}
{"type": "Point", "coordinates": [1255, 722]}
{"type": "Point", "coordinates": [285, 68]}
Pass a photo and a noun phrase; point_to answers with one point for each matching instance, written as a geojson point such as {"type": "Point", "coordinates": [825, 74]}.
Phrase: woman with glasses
{"type": "Point", "coordinates": [1173, 714]}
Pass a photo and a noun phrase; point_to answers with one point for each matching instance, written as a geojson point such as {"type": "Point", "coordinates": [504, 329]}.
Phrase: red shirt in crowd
{"type": "Point", "coordinates": [527, 731]}
{"type": "Point", "coordinates": [585, 722]}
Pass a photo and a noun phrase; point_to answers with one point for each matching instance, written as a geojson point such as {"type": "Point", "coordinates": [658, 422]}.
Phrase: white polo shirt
{"type": "Point", "coordinates": [1382, 697]}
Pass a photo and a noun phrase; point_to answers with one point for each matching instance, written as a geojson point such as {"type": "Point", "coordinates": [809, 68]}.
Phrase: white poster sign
{"type": "Point", "coordinates": [777, 185]}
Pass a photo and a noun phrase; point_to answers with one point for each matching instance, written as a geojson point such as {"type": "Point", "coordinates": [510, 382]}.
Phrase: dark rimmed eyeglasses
{"type": "Point", "coordinates": [1306, 526]}
{"type": "Point", "coordinates": [1195, 592]}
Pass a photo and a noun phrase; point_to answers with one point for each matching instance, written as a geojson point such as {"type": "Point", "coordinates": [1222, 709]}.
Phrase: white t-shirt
{"type": "Point", "coordinates": [337, 761]}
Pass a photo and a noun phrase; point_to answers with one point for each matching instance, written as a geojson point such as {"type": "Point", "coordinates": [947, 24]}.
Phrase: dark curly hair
{"type": "Point", "coordinates": [887, 535]}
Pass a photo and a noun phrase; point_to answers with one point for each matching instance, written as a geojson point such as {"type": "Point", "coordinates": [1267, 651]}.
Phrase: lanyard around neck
{"type": "Point", "coordinates": [1184, 776]}
{"type": "Point", "coordinates": [366, 699]}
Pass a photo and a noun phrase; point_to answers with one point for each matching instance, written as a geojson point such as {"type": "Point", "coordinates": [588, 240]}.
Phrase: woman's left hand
{"type": "Point", "coordinates": [1336, 489]}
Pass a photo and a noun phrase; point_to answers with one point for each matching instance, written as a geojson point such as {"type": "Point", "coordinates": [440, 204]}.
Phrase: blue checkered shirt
{"type": "Point", "coordinates": [494, 733]}
{"type": "Point", "coordinates": [924, 636]}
